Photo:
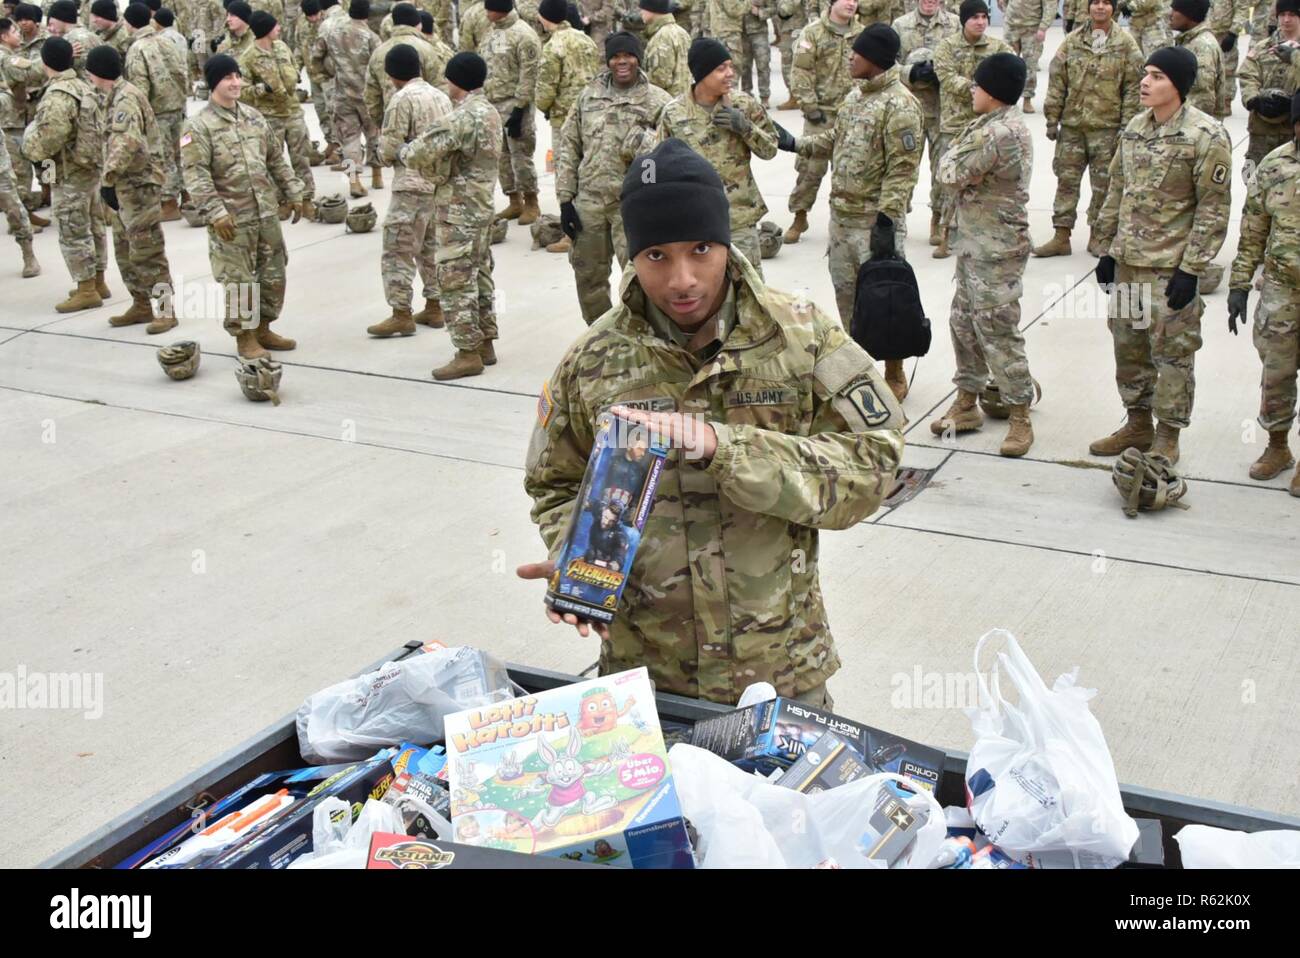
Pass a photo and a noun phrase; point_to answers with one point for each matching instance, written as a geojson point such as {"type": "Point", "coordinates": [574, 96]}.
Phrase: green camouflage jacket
{"type": "Point", "coordinates": [1144, 13]}
{"type": "Point", "coordinates": [819, 72]}
{"type": "Point", "coordinates": [410, 111]}
{"type": "Point", "coordinates": [433, 64]}
{"type": "Point", "coordinates": [1025, 14]}
{"type": "Point", "coordinates": [1230, 16]}
{"type": "Point", "coordinates": [270, 80]}
{"type": "Point", "coordinates": [133, 144]}
{"type": "Point", "coordinates": [1207, 93]}
{"type": "Point", "coordinates": [569, 61]}
{"type": "Point", "coordinates": [512, 53]}
{"type": "Point", "coordinates": [343, 52]}
{"type": "Point", "coordinates": [1264, 71]}
{"type": "Point", "coordinates": [460, 153]}
{"type": "Point", "coordinates": [88, 40]}
{"type": "Point", "coordinates": [989, 164]}
{"type": "Point", "coordinates": [22, 79]}
{"type": "Point", "coordinates": [1090, 89]}
{"type": "Point", "coordinates": [724, 590]}
{"type": "Point", "coordinates": [66, 131]}
{"type": "Point", "coordinates": [666, 48]}
{"type": "Point", "coordinates": [954, 63]}
{"type": "Point", "coordinates": [155, 67]}
{"type": "Point", "coordinates": [1270, 228]}
{"type": "Point", "coordinates": [1170, 185]}
{"type": "Point", "coordinates": [474, 27]}
{"type": "Point", "coordinates": [725, 18]}
{"type": "Point", "coordinates": [919, 38]}
{"type": "Point", "coordinates": [875, 149]}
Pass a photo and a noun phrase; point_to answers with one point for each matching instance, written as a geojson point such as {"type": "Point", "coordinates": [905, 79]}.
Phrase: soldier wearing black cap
{"type": "Point", "coordinates": [1187, 19]}
{"type": "Point", "coordinates": [779, 424]}
{"type": "Point", "coordinates": [20, 224]}
{"type": "Point", "coordinates": [1269, 76]}
{"type": "Point", "coordinates": [154, 65]}
{"type": "Point", "coordinates": [106, 21]}
{"type": "Point", "coordinates": [238, 36]}
{"type": "Point", "coordinates": [61, 20]}
{"type": "Point", "coordinates": [513, 53]}
{"type": "Point", "coordinates": [1163, 222]}
{"type": "Point", "coordinates": [24, 77]}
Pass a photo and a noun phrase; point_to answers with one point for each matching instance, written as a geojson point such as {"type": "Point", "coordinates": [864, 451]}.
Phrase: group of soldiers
{"type": "Point", "coordinates": [93, 104]}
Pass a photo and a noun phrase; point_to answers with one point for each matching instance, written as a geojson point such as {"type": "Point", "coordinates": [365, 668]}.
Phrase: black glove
{"type": "Point", "coordinates": [1069, 26]}
{"type": "Point", "coordinates": [569, 221]}
{"type": "Point", "coordinates": [109, 195]}
{"type": "Point", "coordinates": [731, 118]}
{"type": "Point", "coordinates": [785, 140]}
{"type": "Point", "coordinates": [923, 73]}
{"type": "Point", "coordinates": [1237, 308]}
{"type": "Point", "coordinates": [1126, 10]}
{"type": "Point", "coordinates": [1272, 106]}
{"type": "Point", "coordinates": [214, 43]}
{"type": "Point", "coordinates": [816, 116]}
{"type": "Point", "coordinates": [1180, 290]}
{"type": "Point", "coordinates": [515, 123]}
{"type": "Point", "coordinates": [1252, 104]}
{"type": "Point", "coordinates": [1105, 270]}
{"type": "Point", "coordinates": [882, 238]}
{"type": "Point", "coordinates": [1228, 42]}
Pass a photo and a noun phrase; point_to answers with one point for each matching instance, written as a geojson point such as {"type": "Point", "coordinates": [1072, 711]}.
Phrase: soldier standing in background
{"type": "Point", "coordinates": [756, 50]}
{"type": "Point", "coordinates": [464, 147]}
{"type": "Point", "coordinates": [1025, 29]}
{"type": "Point", "coordinates": [1270, 234]}
{"type": "Point", "coordinates": [989, 165]}
{"type": "Point", "coordinates": [309, 27]}
{"type": "Point", "coordinates": [1187, 18]}
{"type": "Point", "coordinates": [819, 81]}
{"type": "Point", "coordinates": [61, 21]}
{"type": "Point", "coordinates": [667, 47]}
{"type": "Point", "coordinates": [154, 67]}
{"type": "Point", "coordinates": [474, 27]}
{"type": "Point", "coordinates": [21, 80]}
{"type": "Point", "coordinates": [432, 57]}
{"type": "Point", "coordinates": [1164, 219]}
{"type": "Point", "coordinates": [1268, 82]}
{"type": "Point", "coordinates": [270, 87]}
{"type": "Point", "coordinates": [920, 33]}
{"type": "Point", "coordinates": [235, 172]}
{"type": "Point", "coordinates": [442, 52]}
{"type": "Point", "coordinates": [789, 19]}
{"type": "Point", "coordinates": [30, 36]}
{"type": "Point", "coordinates": [105, 21]}
{"type": "Point", "coordinates": [410, 237]}
{"type": "Point", "coordinates": [131, 187]}
{"type": "Point", "coordinates": [20, 226]}
{"type": "Point", "coordinates": [725, 23]}
{"type": "Point", "coordinates": [1148, 23]}
{"type": "Point", "coordinates": [875, 152]}
{"type": "Point", "coordinates": [728, 128]}
{"type": "Point", "coordinates": [605, 129]}
{"type": "Point", "coordinates": [511, 51]}
{"type": "Point", "coordinates": [238, 37]}
{"type": "Point", "coordinates": [1228, 20]}
{"type": "Point", "coordinates": [954, 64]}
{"type": "Point", "coordinates": [65, 135]}
{"type": "Point", "coordinates": [1092, 94]}
{"type": "Point", "coordinates": [600, 16]}
{"type": "Point", "coordinates": [343, 52]}
{"type": "Point", "coordinates": [569, 61]}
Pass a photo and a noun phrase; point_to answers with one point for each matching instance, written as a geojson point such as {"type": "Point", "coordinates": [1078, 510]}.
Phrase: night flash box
{"type": "Point", "coordinates": [617, 494]}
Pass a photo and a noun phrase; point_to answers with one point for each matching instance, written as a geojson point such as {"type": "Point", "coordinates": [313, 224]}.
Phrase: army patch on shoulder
{"type": "Point", "coordinates": [1220, 174]}
{"type": "Point", "coordinates": [121, 117]}
{"type": "Point", "coordinates": [909, 140]}
{"type": "Point", "coordinates": [862, 398]}
{"type": "Point", "coordinates": [545, 406]}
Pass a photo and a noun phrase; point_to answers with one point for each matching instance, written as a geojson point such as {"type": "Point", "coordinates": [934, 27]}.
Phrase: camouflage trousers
{"type": "Point", "coordinates": [1230, 60]}
{"type": "Point", "coordinates": [19, 225]}
{"type": "Point", "coordinates": [169, 128]}
{"type": "Point", "coordinates": [292, 131]}
{"type": "Point", "coordinates": [848, 248]}
{"type": "Point", "coordinates": [82, 238]}
{"type": "Point", "coordinates": [599, 241]}
{"type": "Point", "coordinates": [745, 240]}
{"type": "Point", "coordinates": [464, 259]}
{"type": "Point", "coordinates": [516, 170]}
{"type": "Point", "coordinates": [351, 120]}
{"type": "Point", "coordinates": [809, 172]}
{"type": "Point", "coordinates": [138, 240]}
{"type": "Point", "coordinates": [250, 268]}
{"type": "Point", "coordinates": [984, 321]}
{"type": "Point", "coordinates": [756, 55]}
{"type": "Point", "coordinates": [410, 242]}
{"type": "Point", "coordinates": [947, 196]}
{"type": "Point", "coordinates": [1077, 150]}
{"type": "Point", "coordinates": [931, 130]}
{"type": "Point", "coordinates": [324, 115]}
{"type": "Point", "coordinates": [1025, 44]}
{"type": "Point", "coordinates": [1277, 339]}
{"type": "Point", "coordinates": [785, 34]}
{"type": "Point", "coordinates": [1153, 36]}
{"type": "Point", "coordinates": [1262, 144]}
{"type": "Point", "coordinates": [24, 169]}
{"type": "Point", "coordinates": [1155, 347]}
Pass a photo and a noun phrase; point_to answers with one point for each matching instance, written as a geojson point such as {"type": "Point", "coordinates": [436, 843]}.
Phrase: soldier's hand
{"type": "Point", "coordinates": [77, 48]}
{"type": "Point", "coordinates": [109, 195]}
{"type": "Point", "coordinates": [1228, 42]}
{"type": "Point", "coordinates": [1105, 270]}
{"type": "Point", "coordinates": [731, 118]}
{"type": "Point", "coordinates": [1237, 308]}
{"type": "Point", "coordinates": [1284, 51]}
{"type": "Point", "coordinates": [785, 140]}
{"type": "Point", "coordinates": [1041, 35]}
{"type": "Point", "coordinates": [570, 222]}
{"type": "Point", "coordinates": [515, 123]}
{"type": "Point", "coordinates": [1053, 130]}
{"type": "Point", "coordinates": [815, 116]}
{"type": "Point", "coordinates": [1180, 290]}
{"type": "Point", "coordinates": [882, 240]}
{"type": "Point", "coordinates": [224, 227]}
{"type": "Point", "coordinates": [678, 430]}
{"type": "Point", "coordinates": [543, 571]}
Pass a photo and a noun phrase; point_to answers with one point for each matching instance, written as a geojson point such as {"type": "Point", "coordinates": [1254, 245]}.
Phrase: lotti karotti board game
{"type": "Point", "coordinates": [579, 772]}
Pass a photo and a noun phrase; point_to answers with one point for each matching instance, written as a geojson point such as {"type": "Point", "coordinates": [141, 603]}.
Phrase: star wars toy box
{"type": "Point", "coordinates": [613, 504]}
{"type": "Point", "coordinates": [579, 772]}
{"type": "Point", "coordinates": [773, 735]}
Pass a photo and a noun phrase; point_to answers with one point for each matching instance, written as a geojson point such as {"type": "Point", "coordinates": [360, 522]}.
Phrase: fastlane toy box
{"type": "Point", "coordinates": [773, 735]}
{"type": "Point", "coordinates": [613, 504]}
{"type": "Point", "coordinates": [389, 851]}
{"type": "Point", "coordinates": [578, 772]}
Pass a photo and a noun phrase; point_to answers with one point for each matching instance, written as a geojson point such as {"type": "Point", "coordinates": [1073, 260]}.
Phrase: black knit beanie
{"type": "Point", "coordinates": [104, 62]}
{"type": "Point", "coordinates": [554, 11]}
{"type": "Point", "coordinates": [498, 6]}
{"type": "Point", "coordinates": [64, 11]}
{"type": "Point", "coordinates": [261, 24]}
{"type": "Point", "coordinates": [623, 42]}
{"type": "Point", "coordinates": [970, 8]}
{"type": "Point", "coordinates": [1177, 63]}
{"type": "Point", "coordinates": [56, 53]}
{"type": "Point", "coordinates": [466, 70]}
{"type": "Point", "coordinates": [137, 15]}
{"type": "Point", "coordinates": [705, 56]}
{"type": "Point", "coordinates": [673, 195]}
{"type": "Point", "coordinates": [1002, 76]}
{"type": "Point", "coordinates": [240, 10]}
{"type": "Point", "coordinates": [879, 44]}
{"type": "Point", "coordinates": [657, 6]}
{"type": "Point", "coordinates": [359, 9]}
{"type": "Point", "coordinates": [104, 9]}
{"type": "Point", "coordinates": [405, 15]}
{"type": "Point", "coordinates": [218, 68]}
{"type": "Point", "coordinates": [1194, 10]}
{"type": "Point", "coordinates": [402, 62]}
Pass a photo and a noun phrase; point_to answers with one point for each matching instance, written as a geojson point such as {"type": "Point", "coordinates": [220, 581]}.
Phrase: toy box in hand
{"type": "Point", "coordinates": [579, 772]}
{"type": "Point", "coordinates": [774, 734]}
{"type": "Point", "coordinates": [613, 504]}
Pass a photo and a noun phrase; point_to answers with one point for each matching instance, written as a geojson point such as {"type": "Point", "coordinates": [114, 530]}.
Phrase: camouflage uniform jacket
{"type": "Point", "coordinates": [819, 73]}
{"type": "Point", "coordinates": [1025, 14]}
{"type": "Point", "coordinates": [1167, 204]}
{"type": "Point", "coordinates": [872, 11]}
{"type": "Point", "coordinates": [307, 35]}
{"type": "Point", "coordinates": [22, 79]}
{"type": "Point", "coordinates": [954, 63]}
{"type": "Point", "coordinates": [379, 89]}
{"type": "Point", "coordinates": [1207, 93]}
{"type": "Point", "coordinates": [88, 40]}
{"type": "Point", "coordinates": [725, 17]}
{"type": "Point", "coordinates": [666, 48]}
{"type": "Point", "coordinates": [154, 66]}
{"type": "Point", "coordinates": [133, 144]}
{"type": "Point", "coordinates": [729, 152]}
{"type": "Point", "coordinates": [713, 601]}
{"type": "Point", "coordinates": [1263, 71]}
{"type": "Point", "coordinates": [118, 37]}
{"type": "Point", "coordinates": [569, 61]}
{"type": "Point", "coordinates": [460, 151]}
{"type": "Point", "coordinates": [474, 27]}
{"type": "Point", "coordinates": [236, 45]}
{"type": "Point", "coordinates": [1270, 228]}
{"type": "Point", "coordinates": [233, 164]}
{"type": "Point", "coordinates": [1144, 13]}
{"type": "Point", "coordinates": [276, 73]}
{"type": "Point", "coordinates": [512, 51]}
{"type": "Point", "coordinates": [410, 111]}
{"type": "Point", "coordinates": [60, 132]}
{"type": "Point", "coordinates": [344, 53]}
{"type": "Point", "coordinates": [918, 33]}
{"type": "Point", "coordinates": [989, 165]}
{"type": "Point", "coordinates": [1089, 89]}
{"type": "Point", "coordinates": [605, 130]}
{"type": "Point", "coordinates": [875, 148]}
{"type": "Point", "coordinates": [1230, 16]}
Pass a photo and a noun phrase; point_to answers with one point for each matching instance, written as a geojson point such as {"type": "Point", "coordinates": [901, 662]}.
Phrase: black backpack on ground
{"type": "Point", "coordinates": [889, 321]}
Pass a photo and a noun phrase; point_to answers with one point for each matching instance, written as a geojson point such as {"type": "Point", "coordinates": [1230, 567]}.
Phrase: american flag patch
{"type": "Point", "coordinates": [545, 406]}
{"type": "Point", "coordinates": [186, 140]}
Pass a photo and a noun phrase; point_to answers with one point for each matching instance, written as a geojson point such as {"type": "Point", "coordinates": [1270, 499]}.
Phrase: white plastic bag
{"type": "Point", "coordinates": [400, 702]}
{"type": "Point", "coordinates": [1039, 777]}
{"type": "Point", "coordinates": [353, 848]}
{"type": "Point", "coordinates": [1202, 846]}
{"type": "Point", "coordinates": [746, 821]}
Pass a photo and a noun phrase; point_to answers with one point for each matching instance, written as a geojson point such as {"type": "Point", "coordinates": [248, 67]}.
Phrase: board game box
{"type": "Point", "coordinates": [578, 772]}
{"type": "Point", "coordinates": [616, 497]}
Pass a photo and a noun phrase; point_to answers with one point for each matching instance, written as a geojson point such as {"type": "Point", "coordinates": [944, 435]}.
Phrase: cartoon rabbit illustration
{"type": "Point", "coordinates": [510, 768]}
{"type": "Point", "coordinates": [466, 775]}
{"type": "Point", "coordinates": [564, 775]}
